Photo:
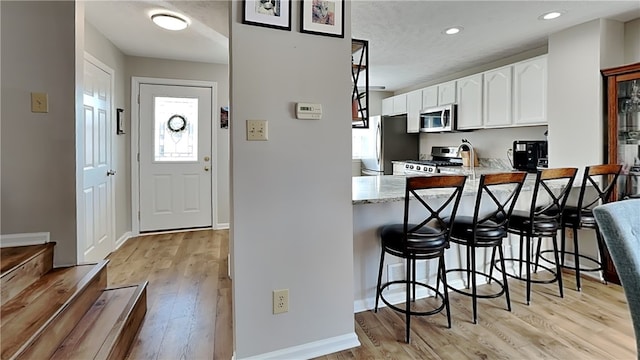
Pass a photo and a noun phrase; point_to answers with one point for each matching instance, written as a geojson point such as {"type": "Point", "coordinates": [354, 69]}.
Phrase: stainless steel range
{"type": "Point", "coordinates": [441, 156]}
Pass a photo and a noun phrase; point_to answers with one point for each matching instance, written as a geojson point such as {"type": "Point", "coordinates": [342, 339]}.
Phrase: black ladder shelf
{"type": "Point", "coordinates": [360, 82]}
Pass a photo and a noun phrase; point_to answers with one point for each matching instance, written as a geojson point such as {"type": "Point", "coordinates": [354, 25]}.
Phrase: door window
{"type": "Point", "coordinates": [175, 129]}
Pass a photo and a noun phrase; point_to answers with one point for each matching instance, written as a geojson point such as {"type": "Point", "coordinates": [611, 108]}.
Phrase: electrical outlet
{"type": "Point", "coordinates": [280, 301]}
{"type": "Point", "coordinates": [257, 130]}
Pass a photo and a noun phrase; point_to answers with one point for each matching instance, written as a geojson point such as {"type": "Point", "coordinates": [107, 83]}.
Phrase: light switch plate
{"type": "Point", "coordinates": [39, 102]}
{"type": "Point", "coordinates": [257, 130]}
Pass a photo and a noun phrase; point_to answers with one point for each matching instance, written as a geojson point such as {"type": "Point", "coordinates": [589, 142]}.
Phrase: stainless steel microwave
{"type": "Point", "coordinates": [438, 119]}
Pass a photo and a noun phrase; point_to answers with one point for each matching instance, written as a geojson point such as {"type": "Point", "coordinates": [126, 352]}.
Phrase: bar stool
{"type": "Point", "coordinates": [542, 220]}
{"type": "Point", "coordinates": [422, 235]}
{"type": "Point", "coordinates": [495, 200]}
{"type": "Point", "coordinates": [602, 178]}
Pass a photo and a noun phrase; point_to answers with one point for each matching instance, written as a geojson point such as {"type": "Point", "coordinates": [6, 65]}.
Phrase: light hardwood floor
{"type": "Point", "coordinates": [189, 316]}
{"type": "Point", "coordinates": [188, 296]}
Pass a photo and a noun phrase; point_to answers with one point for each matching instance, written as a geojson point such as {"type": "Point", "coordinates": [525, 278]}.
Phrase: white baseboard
{"type": "Point", "coordinates": [24, 239]}
{"type": "Point", "coordinates": [221, 226]}
{"type": "Point", "coordinates": [399, 297]}
{"type": "Point", "coordinates": [126, 236]}
{"type": "Point", "coordinates": [312, 349]}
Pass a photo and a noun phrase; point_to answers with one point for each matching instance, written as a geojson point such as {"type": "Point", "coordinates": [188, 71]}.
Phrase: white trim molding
{"type": "Point", "coordinates": [24, 239]}
{"type": "Point", "coordinates": [126, 236]}
{"type": "Point", "coordinates": [312, 349]}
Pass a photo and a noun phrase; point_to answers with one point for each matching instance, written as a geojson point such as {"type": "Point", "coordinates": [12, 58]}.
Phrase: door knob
{"type": "Point", "coordinates": [206, 168]}
{"type": "Point", "coordinates": [111, 172]}
{"type": "Point", "coordinates": [206, 158]}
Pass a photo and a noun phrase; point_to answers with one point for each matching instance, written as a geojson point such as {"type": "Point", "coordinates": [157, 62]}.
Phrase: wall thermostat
{"type": "Point", "coordinates": [307, 111]}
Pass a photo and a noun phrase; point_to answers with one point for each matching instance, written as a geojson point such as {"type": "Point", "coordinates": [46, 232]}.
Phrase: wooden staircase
{"type": "Point", "coordinates": [64, 313]}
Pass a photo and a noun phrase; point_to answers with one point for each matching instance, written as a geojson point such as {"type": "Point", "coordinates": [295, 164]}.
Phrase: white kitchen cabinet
{"type": "Point", "coordinates": [497, 97]}
{"type": "Point", "coordinates": [400, 104]}
{"type": "Point", "coordinates": [447, 93]}
{"type": "Point", "coordinates": [530, 92]}
{"type": "Point", "coordinates": [395, 105]}
{"type": "Point", "coordinates": [430, 97]}
{"type": "Point", "coordinates": [414, 105]}
{"type": "Point", "coordinates": [469, 95]}
{"type": "Point", "coordinates": [387, 106]}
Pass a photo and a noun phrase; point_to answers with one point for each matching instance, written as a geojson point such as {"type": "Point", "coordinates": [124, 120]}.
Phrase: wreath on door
{"type": "Point", "coordinates": [177, 123]}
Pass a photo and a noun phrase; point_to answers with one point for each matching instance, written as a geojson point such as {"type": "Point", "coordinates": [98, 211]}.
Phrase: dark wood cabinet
{"type": "Point", "coordinates": [622, 126]}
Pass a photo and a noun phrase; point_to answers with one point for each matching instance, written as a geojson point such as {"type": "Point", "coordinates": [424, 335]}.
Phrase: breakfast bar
{"type": "Point", "coordinates": [379, 200]}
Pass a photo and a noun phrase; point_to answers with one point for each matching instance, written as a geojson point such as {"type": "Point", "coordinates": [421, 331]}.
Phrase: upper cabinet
{"type": "Point", "coordinates": [469, 95]}
{"type": "Point", "coordinates": [414, 105]}
{"type": "Point", "coordinates": [497, 97]}
{"type": "Point", "coordinates": [430, 97]}
{"type": "Point", "coordinates": [447, 93]}
{"type": "Point", "coordinates": [395, 105]}
{"type": "Point", "coordinates": [530, 92]}
{"type": "Point", "coordinates": [509, 96]}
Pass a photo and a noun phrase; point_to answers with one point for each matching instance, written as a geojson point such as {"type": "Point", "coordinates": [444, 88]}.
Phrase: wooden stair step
{"type": "Point", "coordinates": [21, 266]}
{"type": "Point", "coordinates": [35, 321]}
{"type": "Point", "coordinates": [109, 327]}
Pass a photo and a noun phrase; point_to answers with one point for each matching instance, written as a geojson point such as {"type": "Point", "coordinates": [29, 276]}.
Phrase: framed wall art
{"type": "Point", "coordinates": [322, 17]}
{"type": "Point", "coordinates": [269, 13]}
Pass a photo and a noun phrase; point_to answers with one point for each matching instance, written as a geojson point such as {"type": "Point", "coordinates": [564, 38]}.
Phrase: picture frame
{"type": "Point", "coordinates": [322, 17]}
{"type": "Point", "coordinates": [274, 14]}
{"type": "Point", "coordinates": [224, 117]}
{"type": "Point", "coordinates": [119, 121]}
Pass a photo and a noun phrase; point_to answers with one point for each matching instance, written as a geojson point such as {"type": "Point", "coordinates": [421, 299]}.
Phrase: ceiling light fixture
{"type": "Point", "coordinates": [452, 30]}
{"type": "Point", "coordinates": [170, 21]}
{"type": "Point", "coordinates": [551, 15]}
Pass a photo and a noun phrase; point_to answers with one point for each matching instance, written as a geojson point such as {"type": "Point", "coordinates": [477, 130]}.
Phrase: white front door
{"type": "Point", "coordinates": [175, 157]}
{"type": "Point", "coordinates": [97, 240]}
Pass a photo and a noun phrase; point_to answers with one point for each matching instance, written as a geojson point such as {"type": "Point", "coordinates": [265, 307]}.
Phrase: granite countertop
{"type": "Point", "coordinates": [389, 188]}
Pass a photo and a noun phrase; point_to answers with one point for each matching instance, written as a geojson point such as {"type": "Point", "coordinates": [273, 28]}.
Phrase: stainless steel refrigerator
{"type": "Point", "coordinates": [386, 140]}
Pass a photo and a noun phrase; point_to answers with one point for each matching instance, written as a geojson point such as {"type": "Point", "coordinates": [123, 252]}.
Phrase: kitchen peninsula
{"type": "Point", "coordinates": [379, 200]}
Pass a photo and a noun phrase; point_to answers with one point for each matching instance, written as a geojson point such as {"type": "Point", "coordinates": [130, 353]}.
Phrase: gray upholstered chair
{"type": "Point", "coordinates": [619, 223]}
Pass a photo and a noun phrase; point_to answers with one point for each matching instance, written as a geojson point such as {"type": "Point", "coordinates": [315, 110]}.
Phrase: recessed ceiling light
{"type": "Point", "coordinates": [452, 30]}
{"type": "Point", "coordinates": [551, 15]}
{"type": "Point", "coordinates": [169, 21]}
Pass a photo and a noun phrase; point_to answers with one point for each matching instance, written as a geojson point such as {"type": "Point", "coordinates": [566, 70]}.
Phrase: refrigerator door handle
{"type": "Point", "coordinates": [378, 142]}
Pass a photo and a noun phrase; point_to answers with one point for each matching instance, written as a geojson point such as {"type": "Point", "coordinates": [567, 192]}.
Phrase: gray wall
{"type": "Point", "coordinates": [184, 70]}
{"type": "Point", "coordinates": [291, 195]}
{"type": "Point", "coordinates": [575, 92]}
{"type": "Point", "coordinates": [632, 41]}
{"type": "Point", "coordinates": [38, 150]}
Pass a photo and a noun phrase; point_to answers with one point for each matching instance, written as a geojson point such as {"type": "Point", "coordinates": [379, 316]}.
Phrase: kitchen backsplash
{"type": "Point", "coordinates": [489, 143]}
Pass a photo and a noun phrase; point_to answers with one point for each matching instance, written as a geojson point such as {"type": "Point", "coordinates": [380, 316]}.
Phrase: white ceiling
{"type": "Point", "coordinates": [406, 44]}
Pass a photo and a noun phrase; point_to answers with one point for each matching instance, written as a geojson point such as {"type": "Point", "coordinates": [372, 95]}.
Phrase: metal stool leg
{"type": "Point", "coordinates": [379, 280]}
{"type": "Point", "coordinates": [504, 278]}
{"type": "Point", "coordinates": [558, 267]}
{"type": "Point", "coordinates": [576, 258]}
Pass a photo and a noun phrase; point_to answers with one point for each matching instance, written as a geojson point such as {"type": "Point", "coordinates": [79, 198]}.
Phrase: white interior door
{"type": "Point", "coordinates": [175, 157]}
{"type": "Point", "coordinates": [98, 238]}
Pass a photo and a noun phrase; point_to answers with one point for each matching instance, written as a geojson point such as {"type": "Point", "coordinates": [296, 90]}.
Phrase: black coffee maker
{"type": "Point", "coordinates": [529, 155]}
